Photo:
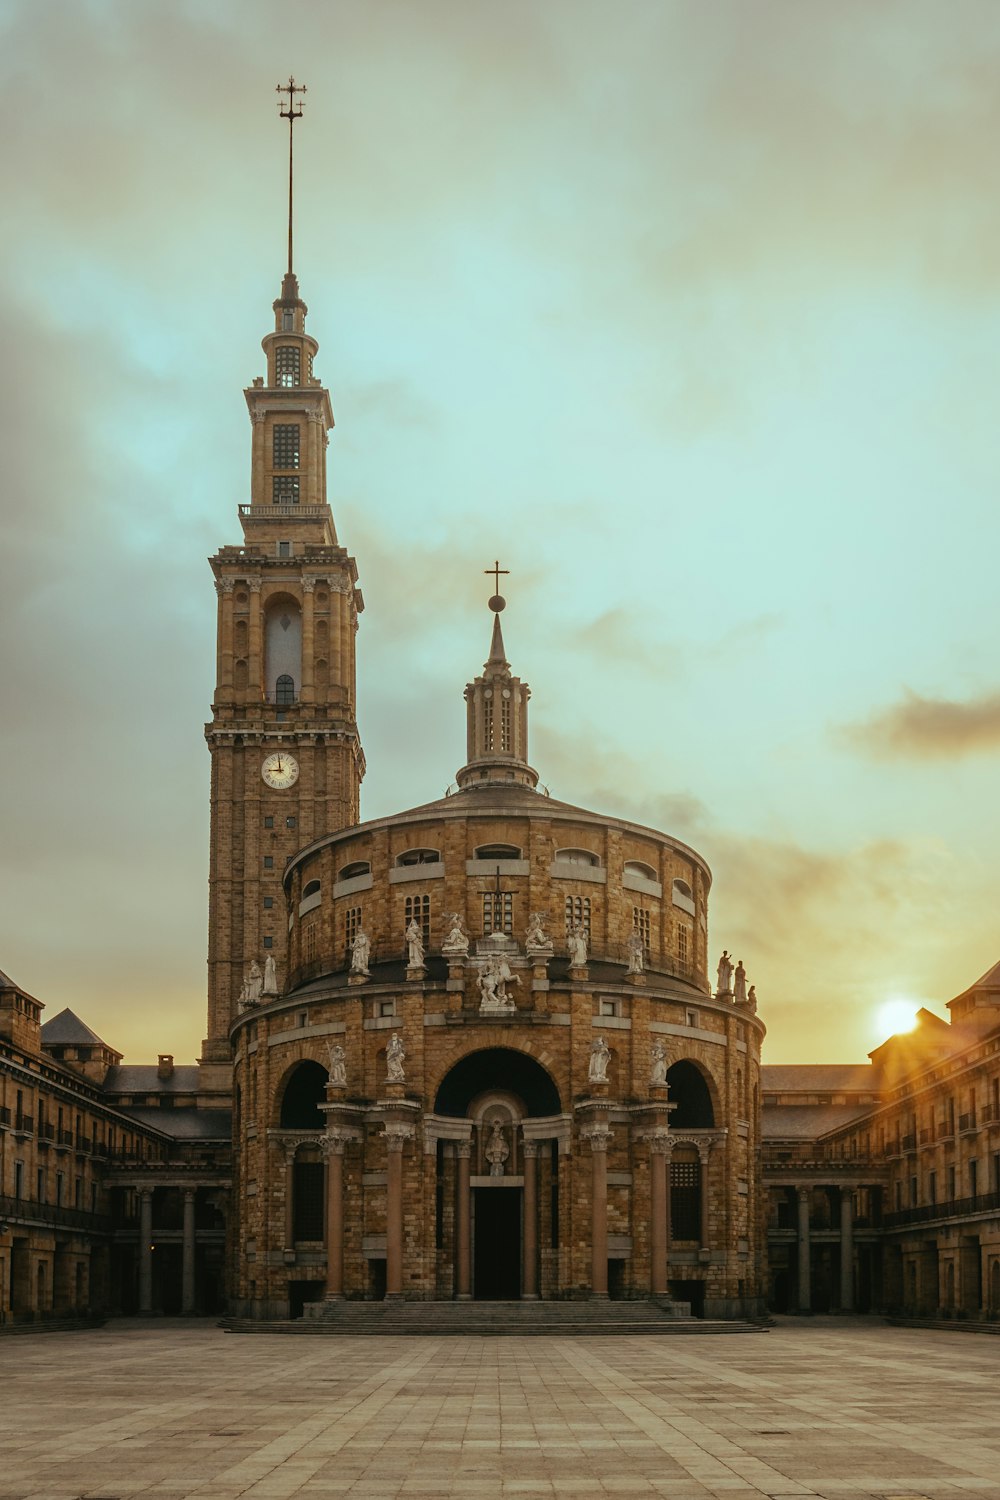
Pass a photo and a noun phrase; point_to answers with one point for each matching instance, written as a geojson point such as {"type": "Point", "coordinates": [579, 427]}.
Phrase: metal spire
{"type": "Point", "coordinates": [291, 114]}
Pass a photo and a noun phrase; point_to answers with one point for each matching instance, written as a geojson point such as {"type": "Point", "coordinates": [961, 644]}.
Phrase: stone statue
{"type": "Point", "coordinates": [414, 946]}
{"type": "Point", "coordinates": [752, 998]}
{"type": "Point", "coordinates": [740, 991]}
{"type": "Point", "coordinates": [361, 950]}
{"type": "Point", "coordinates": [600, 1056]}
{"type": "Point", "coordinates": [636, 953]}
{"type": "Point", "coordinates": [395, 1056]}
{"type": "Point", "coordinates": [536, 936]}
{"type": "Point", "coordinates": [494, 980]}
{"type": "Point", "coordinates": [576, 942]}
{"type": "Point", "coordinates": [658, 1064]}
{"type": "Point", "coordinates": [725, 973]}
{"type": "Point", "coordinates": [338, 1066]}
{"type": "Point", "coordinates": [254, 983]}
{"type": "Point", "coordinates": [497, 1149]}
{"type": "Point", "coordinates": [457, 941]}
{"type": "Point", "coordinates": [270, 976]}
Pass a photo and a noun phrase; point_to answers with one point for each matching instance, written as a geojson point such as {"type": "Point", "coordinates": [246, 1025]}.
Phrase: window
{"type": "Point", "coordinates": [951, 1183]}
{"type": "Point", "coordinates": [418, 909]}
{"type": "Point", "coordinates": [60, 1188]}
{"type": "Point", "coordinates": [353, 870]}
{"type": "Point", "coordinates": [691, 1018]}
{"type": "Point", "coordinates": [682, 888]}
{"type": "Point", "coordinates": [287, 320]}
{"type": "Point", "coordinates": [932, 1187]}
{"type": "Point", "coordinates": [577, 857]}
{"type": "Point", "coordinates": [307, 1199]}
{"type": "Point", "coordinates": [285, 489]}
{"type": "Point", "coordinates": [973, 1178]}
{"type": "Point", "coordinates": [352, 921]}
{"type": "Point", "coordinates": [683, 943]}
{"type": "Point", "coordinates": [494, 852]}
{"type": "Point", "coordinates": [609, 1008]}
{"type": "Point", "coordinates": [269, 942]}
{"type": "Point", "coordinates": [498, 912]}
{"type": "Point", "coordinates": [19, 1179]}
{"type": "Point", "coordinates": [311, 888]}
{"type": "Point", "coordinates": [578, 913]}
{"type": "Point", "coordinates": [640, 921]}
{"type": "Point", "coordinates": [289, 822]}
{"type": "Point", "coordinates": [386, 1008]}
{"type": "Point", "coordinates": [268, 822]}
{"type": "Point", "coordinates": [286, 445]}
{"type": "Point", "coordinates": [287, 365]}
{"type": "Point", "coordinates": [268, 902]}
{"type": "Point", "coordinates": [40, 1186]}
{"type": "Point", "coordinates": [488, 722]}
{"type": "Point", "coordinates": [284, 549]}
{"type": "Point", "coordinates": [505, 734]}
{"type": "Point", "coordinates": [309, 931]}
{"type": "Point", "coordinates": [268, 861]}
{"type": "Point", "coordinates": [418, 857]}
{"type": "Point", "coordinates": [685, 1200]}
{"type": "Point", "coordinates": [284, 690]}
{"type": "Point", "coordinates": [636, 867]}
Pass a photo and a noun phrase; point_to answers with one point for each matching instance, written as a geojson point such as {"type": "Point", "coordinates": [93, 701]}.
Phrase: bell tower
{"type": "Point", "coordinates": [287, 762]}
{"type": "Point", "coordinates": [496, 716]}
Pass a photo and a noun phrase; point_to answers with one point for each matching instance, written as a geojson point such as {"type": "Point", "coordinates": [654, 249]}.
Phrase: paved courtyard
{"type": "Point", "coordinates": [832, 1408]}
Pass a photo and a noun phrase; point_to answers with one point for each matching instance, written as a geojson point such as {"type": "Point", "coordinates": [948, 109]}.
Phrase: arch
{"type": "Point", "coordinates": [282, 643]}
{"type": "Point", "coordinates": [681, 888]}
{"type": "Point", "coordinates": [497, 851]}
{"type": "Point", "coordinates": [284, 690]}
{"type": "Point", "coordinates": [418, 857]}
{"type": "Point", "coordinates": [240, 647]}
{"type": "Point", "coordinates": [354, 869]}
{"type": "Point", "coordinates": [311, 888]}
{"type": "Point", "coordinates": [637, 867]}
{"type": "Point", "coordinates": [688, 1089]}
{"type": "Point", "coordinates": [302, 1092]}
{"type": "Point", "coordinates": [240, 675]}
{"type": "Point", "coordinates": [577, 857]}
{"type": "Point", "coordinates": [478, 1072]}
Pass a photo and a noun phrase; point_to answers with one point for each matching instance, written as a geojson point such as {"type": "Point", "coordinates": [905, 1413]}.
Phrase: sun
{"type": "Point", "coordinates": [896, 1015]}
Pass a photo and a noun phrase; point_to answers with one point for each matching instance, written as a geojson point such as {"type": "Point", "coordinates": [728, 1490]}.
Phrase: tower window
{"type": "Point", "coordinates": [578, 913]}
{"type": "Point", "coordinates": [285, 489]}
{"type": "Point", "coordinates": [284, 549]}
{"type": "Point", "coordinates": [287, 365]}
{"type": "Point", "coordinates": [286, 445]}
{"type": "Point", "coordinates": [352, 921]}
{"type": "Point", "coordinates": [284, 691]}
{"type": "Point", "coordinates": [505, 725]}
{"type": "Point", "coordinates": [287, 320]}
{"type": "Point", "coordinates": [418, 909]}
{"type": "Point", "coordinates": [683, 943]}
{"type": "Point", "coordinates": [488, 724]}
{"type": "Point", "coordinates": [498, 912]}
{"type": "Point", "coordinates": [640, 921]}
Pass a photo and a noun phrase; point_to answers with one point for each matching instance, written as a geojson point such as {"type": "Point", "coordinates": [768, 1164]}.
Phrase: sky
{"type": "Point", "coordinates": [689, 313]}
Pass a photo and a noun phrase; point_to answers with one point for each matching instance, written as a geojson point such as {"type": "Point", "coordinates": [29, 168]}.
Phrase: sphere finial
{"type": "Point", "coordinates": [497, 602]}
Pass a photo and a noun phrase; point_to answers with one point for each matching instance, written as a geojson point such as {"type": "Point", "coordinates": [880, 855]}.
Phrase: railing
{"type": "Point", "coordinates": [24, 1124]}
{"type": "Point", "coordinates": [65, 1137]}
{"type": "Point", "coordinates": [909, 1143]}
{"type": "Point", "coordinates": [284, 512]}
{"type": "Point", "coordinates": [4, 1115]}
{"type": "Point", "coordinates": [991, 1115]}
{"type": "Point", "coordinates": [945, 1130]}
{"type": "Point", "coordinates": [926, 1135]}
{"type": "Point", "coordinates": [46, 1132]}
{"type": "Point", "coordinates": [954, 1208]}
{"type": "Point", "coordinates": [967, 1122]}
{"type": "Point", "coordinates": [20, 1210]}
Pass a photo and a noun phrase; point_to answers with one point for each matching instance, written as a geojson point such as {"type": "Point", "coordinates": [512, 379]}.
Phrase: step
{"type": "Point", "coordinates": [492, 1320]}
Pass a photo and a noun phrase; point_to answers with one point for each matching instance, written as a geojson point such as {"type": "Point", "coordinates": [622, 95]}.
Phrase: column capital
{"type": "Point", "coordinates": [660, 1141]}
{"type": "Point", "coordinates": [255, 585]}
{"type": "Point", "coordinates": [189, 1194]}
{"type": "Point", "coordinates": [225, 585]}
{"type": "Point", "coordinates": [396, 1136]}
{"type": "Point", "coordinates": [530, 1149]}
{"type": "Point", "coordinates": [598, 1138]}
{"type": "Point", "coordinates": [145, 1191]}
{"type": "Point", "coordinates": [334, 1141]}
{"type": "Point", "coordinates": [803, 1193]}
{"type": "Point", "coordinates": [308, 584]}
{"type": "Point", "coordinates": [463, 1149]}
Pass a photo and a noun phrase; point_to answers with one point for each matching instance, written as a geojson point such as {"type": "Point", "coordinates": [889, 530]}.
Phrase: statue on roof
{"type": "Point", "coordinates": [740, 990]}
{"type": "Point", "coordinates": [270, 976]}
{"type": "Point", "coordinates": [254, 983]}
{"type": "Point", "coordinates": [725, 973]}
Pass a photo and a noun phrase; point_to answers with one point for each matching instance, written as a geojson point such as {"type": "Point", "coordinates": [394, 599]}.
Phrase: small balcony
{"type": "Point", "coordinates": [909, 1143]}
{"type": "Point", "coordinates": [967, 1123]}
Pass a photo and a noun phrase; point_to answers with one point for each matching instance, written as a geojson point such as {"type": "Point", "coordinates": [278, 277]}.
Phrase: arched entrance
{"type": "Point", "coordinates": [497, 1093]}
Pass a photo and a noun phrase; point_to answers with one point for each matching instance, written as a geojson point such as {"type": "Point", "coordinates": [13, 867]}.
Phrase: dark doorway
{"type": "Point", "coordinates": [690, 1291]}
{"type": "Point", "coordinates": [376, 1280]}
{"type": "Point", "coordinates": [497, 1263]}
{"type": "Point", "coordinates": [301, 1292]}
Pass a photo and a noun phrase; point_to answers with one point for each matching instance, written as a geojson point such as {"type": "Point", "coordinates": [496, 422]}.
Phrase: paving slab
{"type": "Point", "coordinates": [834, 1409]}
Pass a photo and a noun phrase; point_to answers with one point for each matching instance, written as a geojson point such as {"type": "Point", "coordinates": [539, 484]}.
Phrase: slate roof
{"type": "Point", "coordinates": [7, 983]}
{"type": "Point", "coordinates": [819, 1078]}
{"type": "Point", "coordinates": [142, 1078]}
{"type": "Point", "coordinates": [67, 1029]}
{"type": "Point", "coordinates": [805, 1122]}
{"type": "Point", "coordinates": [185, 1124]}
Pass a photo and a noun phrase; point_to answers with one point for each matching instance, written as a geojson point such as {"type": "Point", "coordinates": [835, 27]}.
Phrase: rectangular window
{"type": "Point", "coordinates": [683, 943]}
{"type": "Point", "coordinates": [307, 1200]}
{"type": "Point", "coordinates": [269, 942]}
{"type": "Point", "coordinates": [285, 489]}
{"type": "Point", "coordinates": [289, 822]}
{"type": "Point", "coordinates": [19, 1179]}
{"type": "Point", "coordinates": [488, 723]}
{"type": "Point", "coordinates": [578, 913]}
{"type": "Point", "coordinates": [505, 734]}
{"type": "Point", "coordinates": [498, 912]}
{"type": "Point", "coordinates": [951, 1184]}
{"type": "Point", "coordinates": [309, 931]}
{"type": "Point", "coordinates": [285, 452]}
{"type": "Point", "coordinates": [973, 1178]}
{"type": "Point", "coordinates": [685, 1200]}
{"type": "Point", "coordinates": [40, 1186]}
{"type": "Point", "coordinates": [609, 1007]}
{"type": "Point", "coordinates": [268, 861]}
{"type": "Point", "coordinates": [60, 1185]}
{"type": "Point", "coordinates": [284, 549]}
{"type": "Point", "coordinates": [352, 921]}
{"type": "Point", "coordinates": [932, 1187]}
{"type": "Point", "coordinates": [268, 822]}
{"type": "Point", "coordinates": [387, 1008]}
{"type": "Point", "coordinates": [418, 909]}
{"type": "Point", "coordinates": [287, 365]}
{"type": "Point", "coordinates": [268, 902]}
{"type": "Point", "coordinates": [641, 923]}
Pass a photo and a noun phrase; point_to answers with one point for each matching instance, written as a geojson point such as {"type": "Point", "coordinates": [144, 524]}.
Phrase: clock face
{"type": "Point", "coordinates": [280, 770]}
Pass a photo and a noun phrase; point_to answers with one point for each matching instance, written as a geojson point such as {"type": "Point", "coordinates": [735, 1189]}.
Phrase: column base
{"type": "Point", "coordinates": [334, 1297]}
{"type": "Point", "coordinates": [599, 1297]}
{"type": "Point", "coordinates": [530, 1297]}
{"type": "Point", "coordinates": [464, 1297]}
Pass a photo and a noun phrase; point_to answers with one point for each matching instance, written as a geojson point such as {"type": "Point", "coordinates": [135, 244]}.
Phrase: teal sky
{"type": "Point", "coordinates": [688, 312]}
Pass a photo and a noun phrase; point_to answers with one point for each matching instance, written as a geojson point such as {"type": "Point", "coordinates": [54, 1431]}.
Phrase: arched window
{"type": "Point", "coordinates": [418, 857]}
{"type": "Point", "coordinates": [311, 888]}
{"type": "Point", "coordinates": [284, 691]}
{"type": "Point", "coordinates": [636, 867]}
{"type": "Point", "coordinates": [682, 896]}
{"type": "Point", "coordinates": [689, 1092]}
{"type": "Point", "coordinates": [493, 852]}
{"type": "Point", "coordinates": [304, 1092]}
{"type": "Point", "coordinates": [577, 857]}
{"type": "Point", "coordinates": [353, 870]}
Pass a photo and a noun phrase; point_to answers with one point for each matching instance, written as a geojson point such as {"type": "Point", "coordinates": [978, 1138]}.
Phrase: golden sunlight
{"type": "Point", "coordinates": [895, 1015]}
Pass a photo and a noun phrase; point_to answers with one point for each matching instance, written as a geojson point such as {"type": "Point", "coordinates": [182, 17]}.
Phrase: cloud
{"type": "Point", "coordinates": [921, 728]}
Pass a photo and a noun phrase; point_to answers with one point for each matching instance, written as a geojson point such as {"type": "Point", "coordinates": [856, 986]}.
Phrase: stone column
{"type": "Point", "coordinates": [145, 1251]}
{"type": "Point", "coordinates": [846, 1250]}
{"type": "Point", "coordinates": [306, 690]}
{"type": "Point", "coordinates": [529, 1283]}
{"type": "Point", "coordinates": [703, 1232]}
{"type": "Point", "coordinates": [805, 1290]}
{"type": "Point", "coordinates": [599, 1139]}
{"type": "Point", "coordinates": [258, 460]}
{"type": "Point", "coordinates": [396, 1137]}
{"type": "Point", "coordinates": [255, 656]}
{"type": "Point", "coordinates": [224, 648]}
{"type": "Point", "coordinates": [463, 1222]}
{"type": "Point", "coordinates": [333, 1147]}
{"type": "Point", "coordinates": [289, 1199]}
{"type": "Point", "coordinates": [187, 1256]}
{"type": "Point", "coordinates": [658, 1190]}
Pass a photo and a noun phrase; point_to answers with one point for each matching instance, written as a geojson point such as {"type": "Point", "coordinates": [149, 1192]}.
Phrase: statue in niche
{"type": "Point", "coordinates": [658, 1064]}
{"type": "Point", "coordinates": [636, 950]}
{"type": "Point", "coordinates": [270, 976]}
{"type": "Point", "coordinates": [361, 950]}
{"type": "Point", "coordinates": [338, 1066]}
{"type": "Point", "coordinates": [457, 941]}
{"type": "Point", "coordinates": [752, 998]}
{"type": "Point", "coordinates": [497, 1149]}
{"type": "Point", "coordinates": [414, 946]}
{"type": "Point", "coordinates": [494, 980]}
{"type": "Point", "coordinates": [600, 1056]}
{"type": "Point", "coordinates": [254, 983]}
{"type": "Point", "coordinates": [536, 936]}
{"type": "Point", "coordinates": [395, 1056]}
{"type": "Point", "coordinates": [740, 990]}
{"type": "Point", "coordinates": [576, 943]}
{"type": "Point", "coordinates": [725, 974]}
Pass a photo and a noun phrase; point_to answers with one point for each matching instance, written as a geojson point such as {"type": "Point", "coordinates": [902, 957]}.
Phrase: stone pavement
{"type": "Point", "coordinates": [839, 1408]}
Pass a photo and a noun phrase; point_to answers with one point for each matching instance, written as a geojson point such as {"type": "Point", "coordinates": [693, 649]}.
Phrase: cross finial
{"type": "Point", "coordinates": [498, 601]}
{"type": "Point", "coordinates": [291, 113]}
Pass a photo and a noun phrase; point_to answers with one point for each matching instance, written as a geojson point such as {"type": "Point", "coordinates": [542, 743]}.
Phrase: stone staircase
{"type": "Point", "coordinates": [494, 1320]}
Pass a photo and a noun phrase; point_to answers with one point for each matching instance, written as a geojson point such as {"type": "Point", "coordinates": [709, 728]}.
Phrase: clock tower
{"type": "Point", "coordinates": [287, 761]}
